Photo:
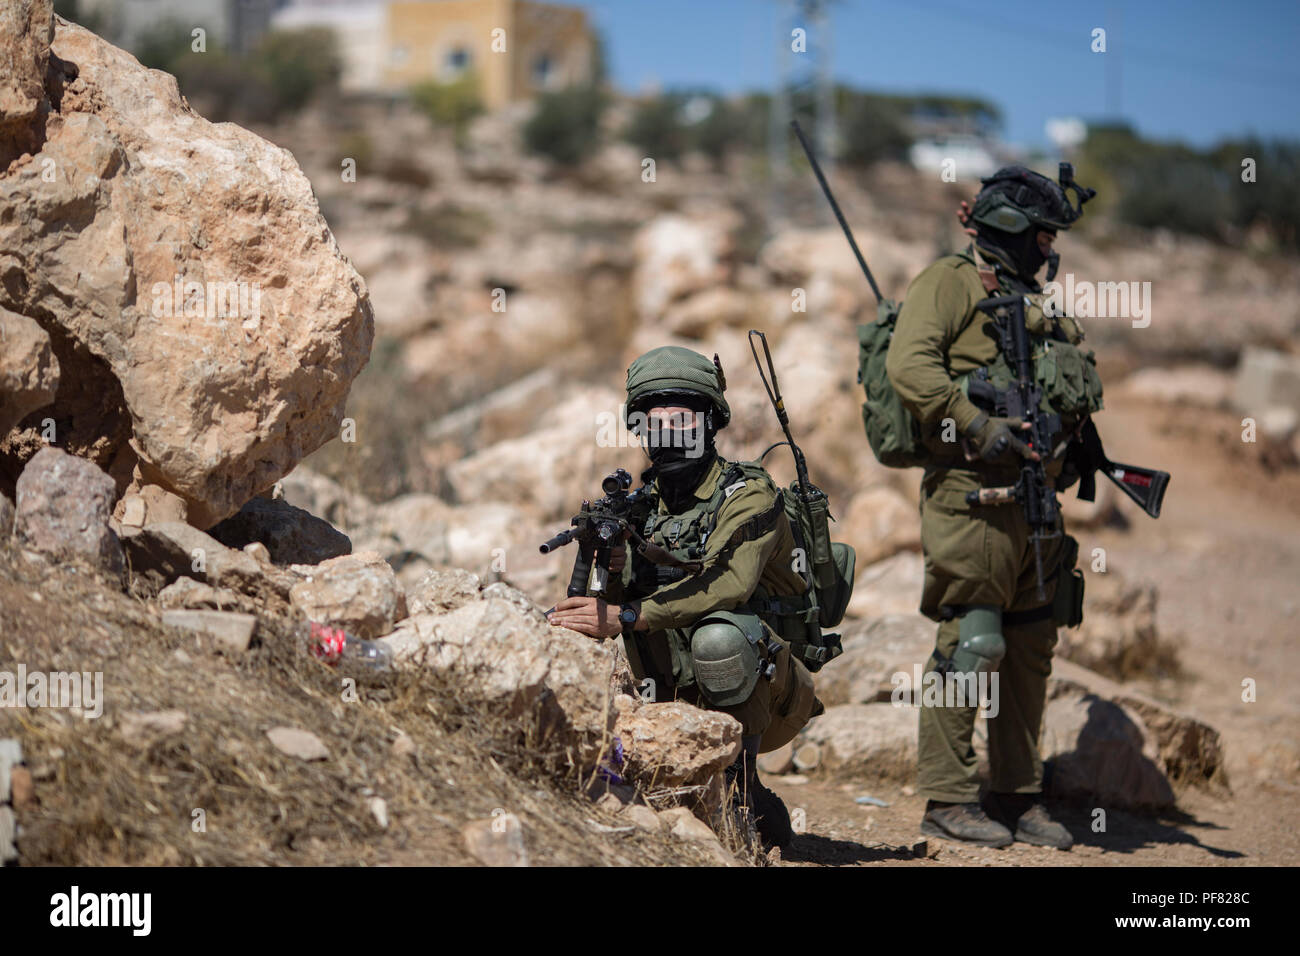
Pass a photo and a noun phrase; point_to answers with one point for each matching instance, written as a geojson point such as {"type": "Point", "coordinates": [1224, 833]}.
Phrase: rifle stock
{"type": "Point", "coordinates": [1146, 486]}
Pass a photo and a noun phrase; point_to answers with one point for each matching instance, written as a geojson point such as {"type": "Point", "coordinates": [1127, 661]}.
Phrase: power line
{"type": "Point", "coordinates": [1142, 55]}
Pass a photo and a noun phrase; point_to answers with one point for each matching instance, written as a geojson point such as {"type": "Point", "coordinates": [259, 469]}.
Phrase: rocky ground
{"type": "Point", "coordinates": [183, 495]}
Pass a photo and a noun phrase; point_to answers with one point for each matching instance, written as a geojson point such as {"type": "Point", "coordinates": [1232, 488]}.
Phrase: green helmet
{"type": "Point", "coordinates": [1015, 197]}
{"type": "Point", "coordinates": [1014, 206]}
{"type": "Point", "coordinates": [672, 372]}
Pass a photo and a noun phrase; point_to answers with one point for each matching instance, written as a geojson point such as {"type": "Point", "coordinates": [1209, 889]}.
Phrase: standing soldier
{"type": "Point", "coordinates": [980, 577]}
{"type": "Point", "coordinates": [708, 626]}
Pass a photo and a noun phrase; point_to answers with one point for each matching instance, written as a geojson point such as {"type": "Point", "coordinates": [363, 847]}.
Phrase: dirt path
{"type": "Point", "coordinates": [1225, 556]}
{"type": "Point", "coordinates": [1255, 827]}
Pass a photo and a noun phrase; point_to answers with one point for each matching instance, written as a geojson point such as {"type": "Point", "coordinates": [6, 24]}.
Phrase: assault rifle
{"type": "Point", "coordinates": [601, 525]}
{"type": "Point", "coordinates": [1033, 492]}
{"type": "Point", "coordinates": [1021, 400]}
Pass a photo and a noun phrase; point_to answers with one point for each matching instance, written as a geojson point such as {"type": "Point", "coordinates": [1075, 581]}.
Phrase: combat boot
{"type": "Point", "coordinates": [1026, 814]}
{"type": "Point", "coordinates": [965, 823]}
{"type": "Point", "coordinates": [751, 797]}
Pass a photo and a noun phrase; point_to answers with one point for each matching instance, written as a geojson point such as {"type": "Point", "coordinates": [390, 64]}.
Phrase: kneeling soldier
{"type": "Point", "coordinates": [704, 626]}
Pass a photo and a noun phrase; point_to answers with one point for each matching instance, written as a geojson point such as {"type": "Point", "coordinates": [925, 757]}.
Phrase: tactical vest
{"type": "Point", "coordinates": [796, 618]}
{"type": "Point", "coordinates": [1066, 373]}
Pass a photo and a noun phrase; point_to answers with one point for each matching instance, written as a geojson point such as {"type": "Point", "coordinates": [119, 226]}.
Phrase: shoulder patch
{"type": "Point", "coordinates": [732, 488]}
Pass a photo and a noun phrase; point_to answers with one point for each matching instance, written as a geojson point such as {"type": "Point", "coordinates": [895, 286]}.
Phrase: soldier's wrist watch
{"type": "Point", "coordinates": [627, 616]}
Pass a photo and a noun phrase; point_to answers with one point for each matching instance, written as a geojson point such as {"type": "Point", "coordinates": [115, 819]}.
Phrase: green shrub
{"type": "Point", "coordinates": [449, 104]}
{"type": "Point", "coordinates": [286, 70]}
{"type": "Point", "coordinates": [448, 225]}
{"type": "Point", "coordinates": [656, 127]}
{"type": "Point", "coordinates": [873, 129]}
{"type": "Point", "coordinates": [565, 127]}
{"type": "Point", "coordinates": [297, 65]}
{"type": "Point", "coordinates": [166, 45]}
{"type": "Point", "coordinates": [1273, 199]}
{"type": "Point", "coordinates": [720, 132]}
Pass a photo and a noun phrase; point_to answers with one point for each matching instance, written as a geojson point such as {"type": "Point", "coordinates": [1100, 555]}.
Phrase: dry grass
{"type": "Point", "coordinates": [103, 801]}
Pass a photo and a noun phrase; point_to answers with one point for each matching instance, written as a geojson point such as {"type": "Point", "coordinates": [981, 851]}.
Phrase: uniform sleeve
{"type": "Point", "coordinates": [735, 555]}
{"type": "Point", "coordinates": [936, 303]}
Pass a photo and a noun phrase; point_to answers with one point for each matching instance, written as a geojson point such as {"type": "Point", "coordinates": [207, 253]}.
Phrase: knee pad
{"type": "Point", "coordinates": [980, 645]}
{"type": "Point", "coordinates": [724, 653]}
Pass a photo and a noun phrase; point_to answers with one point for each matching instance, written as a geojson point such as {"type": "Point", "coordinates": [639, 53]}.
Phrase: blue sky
{"type": "Point", "coordinates": [1192, 70]}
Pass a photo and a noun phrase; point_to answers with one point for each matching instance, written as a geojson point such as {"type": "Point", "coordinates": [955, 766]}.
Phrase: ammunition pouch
{"type": "Point", "coordinates": [794, 702]}
{"type": "Point", "coordinates": [1066, 374]}
{"type": "Point", "coordinates": [1067, 604]}
{"type": "Point", "coordinates": [795, 621]}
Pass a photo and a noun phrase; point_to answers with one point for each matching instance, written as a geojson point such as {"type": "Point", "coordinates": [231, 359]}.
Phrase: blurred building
{"type": "Point", "coordinates": [971, 156]}
{"type": "Point", "coordinates": [546, 46]}
{"type": "Point", "coordinates": [964, 135]}
{"type": "Point", "coordinates": [514, 49]}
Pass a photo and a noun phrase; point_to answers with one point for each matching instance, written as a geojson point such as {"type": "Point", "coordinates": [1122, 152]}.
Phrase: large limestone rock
{"type": "Point", "coordinates": [821, 262]}
{"type": "Point", "coordinates": [874, 652]}
{"type": "Point", "coordinates": [357, 592]}
{"type": "Point", "coordinates": [879, 739]}
{"type": "Point", "coordinates": [878, 523]}
{"type": "Point", "coordinates": [892, 586]}
{"type": "Point", "coordinates": [675, 744]}
{"type": "Point", "coordinates": [62, 509]}
{"type": "Point", "coordinates": [1106, 742]}
{"type": "Point", "coordinates": [443, 590]}
{"type": "Point", "coordinates": [1266, 379]}
{"type": "Point", "coordinates": [696, 317]}
{"type": "Point", "coordinates": [518, 664]}
{"type": "Point", "coordinates": [678, 255]}
{"type": "Point", "coordinates": [120, 196]}
{"type": "Point", "coordinates": [553, 469]}
{"type": "Point", "coordinates": [29, 372]}
{"type": "Point", "coordinates": [26, 29]}
{"type": "Point", "coordinates": [1099, 750]}
{"type": "Point", "coordinates": [499, 650]}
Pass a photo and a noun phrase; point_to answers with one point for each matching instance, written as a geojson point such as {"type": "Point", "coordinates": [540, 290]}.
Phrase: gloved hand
{"type": "Point", "coordinates": [992, 437]}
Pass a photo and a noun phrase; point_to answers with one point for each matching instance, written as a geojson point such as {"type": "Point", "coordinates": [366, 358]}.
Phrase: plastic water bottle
{"type": "Point", "coordinates": [332, 644]}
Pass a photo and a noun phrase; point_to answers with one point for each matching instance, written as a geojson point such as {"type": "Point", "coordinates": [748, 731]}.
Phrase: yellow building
{"type": "Point", "coordinates": [514, 48]}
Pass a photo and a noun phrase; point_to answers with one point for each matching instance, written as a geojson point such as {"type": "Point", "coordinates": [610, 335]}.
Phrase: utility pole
{"type": "Point", "coordinates": [803, 78]}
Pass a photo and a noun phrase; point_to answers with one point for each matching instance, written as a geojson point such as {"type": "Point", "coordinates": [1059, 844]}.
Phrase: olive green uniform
{"type": "Point", "coordinates": [748, 554]}
{"type": "Point", "coordinates": [974, 554]}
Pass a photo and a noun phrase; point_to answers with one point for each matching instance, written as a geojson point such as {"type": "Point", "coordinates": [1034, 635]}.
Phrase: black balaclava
{"type": "Point", "coordinates": [680, 465]}
{"type": "Point", "coordinates": [1018, 252]}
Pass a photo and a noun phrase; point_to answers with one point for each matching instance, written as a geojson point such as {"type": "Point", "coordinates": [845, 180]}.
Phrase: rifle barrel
{"type": "Point", "coordinates": [559, 541]}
